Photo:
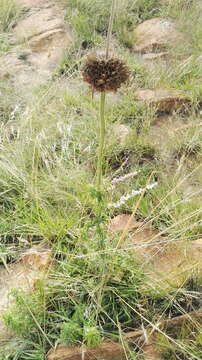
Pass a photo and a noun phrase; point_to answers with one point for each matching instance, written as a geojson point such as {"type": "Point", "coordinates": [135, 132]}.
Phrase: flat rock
{"type": "Point", "coordinates": [39, 22]}
{"type": "Point", "coordinates": [10, 64]}
{"type": "Point", "coordinates": [121, 132]}
{"type": "Point", "coordinates": [164, 100]}
{"type": "Point", "coordinates": [155, 56]}
{"type": "Point", "coordinates": [22, 275]}
{"type": "Point", "coordinates": [166, 263]}
{"type": "Point", "coordinates": [30, 3]}
{"type": "Point", "coordinates": [154, 35]}
{"type": "Point", "coordinates": [120, 222]}
{"type": "Point", "coordinates": [150, 351]}
{"type": "Point", "coordinates": [107, 350]}
{"type": "Point", "coordinates": [40, 40]}
{"type": "Point", "coordinates": [163, 60]}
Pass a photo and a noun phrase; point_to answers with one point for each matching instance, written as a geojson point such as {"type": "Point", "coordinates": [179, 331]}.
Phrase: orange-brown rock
{"type": "Point", "coordinates": [120, 222]}
{"type": "Point", "coordinates": [107, 350]}
{"type": "Point", "coordinates": [164, 100]}
{"type": "Point", "coordinates": [150, 352]}
{"type": "Point", "coordinates": [113, 350]}
{"type": "Point", "coordinates": [166, 262]}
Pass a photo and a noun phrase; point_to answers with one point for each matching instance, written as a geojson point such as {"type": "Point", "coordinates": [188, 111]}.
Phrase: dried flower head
{"type": "Point", "coordinates": [105, 74]}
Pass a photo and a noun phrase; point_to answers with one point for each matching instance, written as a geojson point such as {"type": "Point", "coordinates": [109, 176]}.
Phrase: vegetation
{"type": "Point", "coordinates": [48, 161]}
{"type": "Point", "coordinates": [9, 14]}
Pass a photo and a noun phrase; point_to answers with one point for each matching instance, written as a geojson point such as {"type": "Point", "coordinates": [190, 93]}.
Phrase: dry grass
{"type": "Point", "coordinates": [47, 167]}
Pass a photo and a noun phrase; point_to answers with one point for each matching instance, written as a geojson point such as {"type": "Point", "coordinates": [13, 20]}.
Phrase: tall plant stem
{"type": "Point", "coordinates": [102, 141]}
{"type": "Point", "coordinates": [110, 27]}
{"type": "Point", "coordinates": [102, 104]}
{"type": "Point", "coordinates": [100, 163]}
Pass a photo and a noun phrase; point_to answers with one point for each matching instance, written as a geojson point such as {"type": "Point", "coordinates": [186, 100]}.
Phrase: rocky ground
{"type": "Point", "coordinates": [38, 43]}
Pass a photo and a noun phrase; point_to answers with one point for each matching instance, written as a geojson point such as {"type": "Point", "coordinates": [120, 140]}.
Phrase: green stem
{"type": "Point", "coordinates": [109, 32]}
{"type": "Point", "coordinates": [101, 141]}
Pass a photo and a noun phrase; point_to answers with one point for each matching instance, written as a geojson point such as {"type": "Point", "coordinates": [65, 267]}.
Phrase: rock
{"type": "Point", "coordinates": [155, 56]}
{"type": "Point", "coordinates": [144, 235]}
{"type": "Point", "coordinates": [196, 250]}
{"type": "Point", "coordinates": [120, 222]}
{"type": "Point", "coordinates": [150, 351]}
{"type": "Point", "coordinates": [121, 132]}
{"type": "Point", "coordinates": [40, 39]}
{"type": "Point", "coordinates": [164, 100]}
{"type": "Point", "coordinates": [30, 3]}
{"type": "Point", "coordinates": [40, 22]}
{"type": "Point", "coordinates": [22, 275]}
{"type": "Point", "coordinates": [10, 64]}
{"type": "Point", "coordinates": [166, 264]}
{"type": "Point", "coordinates": [107, 350]}
{"type": "Point", "coordinates": [44, 33]}
{"type": "Point", "coordinates": [197, 244]}
{"type": "Point", "coordinates": [155, 35]}
{"type": "Point", "coordinates": [153, 61]}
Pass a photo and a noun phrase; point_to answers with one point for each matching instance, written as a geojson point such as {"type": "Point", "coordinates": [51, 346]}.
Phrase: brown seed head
{"type": "Point", "coordinates": [105, 74]}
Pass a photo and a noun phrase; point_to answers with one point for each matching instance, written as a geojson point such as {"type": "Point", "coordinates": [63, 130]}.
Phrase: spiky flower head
{"type": "Point", "coordinates": [105, 74]}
